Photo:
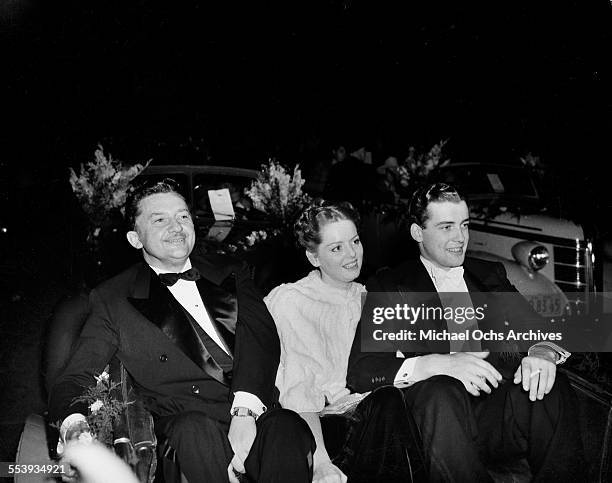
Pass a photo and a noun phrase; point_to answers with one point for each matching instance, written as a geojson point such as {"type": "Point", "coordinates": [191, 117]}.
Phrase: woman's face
{"type": "Point", "coordinates": [340, 253]}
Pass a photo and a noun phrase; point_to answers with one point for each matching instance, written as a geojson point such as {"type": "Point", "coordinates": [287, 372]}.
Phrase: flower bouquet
{"type": "Point", "coordinates": [104, 408]}
{"type": "Point", "coordinates": [102, 186]}
{"type": "Point", "coordinates": [418, 167]}
{"type": "Point", "coordinates": [278, 193]}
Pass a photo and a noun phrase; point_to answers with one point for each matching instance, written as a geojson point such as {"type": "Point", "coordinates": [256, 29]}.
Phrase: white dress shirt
{"type": "Point", "coordinates": [187, 294]}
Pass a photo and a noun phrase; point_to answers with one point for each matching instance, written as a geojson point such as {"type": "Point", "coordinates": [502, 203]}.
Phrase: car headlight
{"type": "Point", "coordinates": [532, 256]}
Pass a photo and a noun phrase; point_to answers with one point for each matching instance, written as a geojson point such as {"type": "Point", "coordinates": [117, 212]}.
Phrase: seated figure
{"type": "Point", "coordinates": [200, 346]}
{"type": "Point", "coordinates": [316, 319]}
{"type": "Point", "coordinates": [475, 406]}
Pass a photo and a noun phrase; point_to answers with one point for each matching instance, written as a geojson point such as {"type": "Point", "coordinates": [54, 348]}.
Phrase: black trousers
{"type": "Point", "coordinates": [463, 433]}
{"type": "Point", "coordinates": [282, 450]}
{"type": "Point", "coordinates": [378, 442]}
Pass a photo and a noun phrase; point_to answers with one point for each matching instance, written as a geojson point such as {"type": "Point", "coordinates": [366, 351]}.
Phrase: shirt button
{"type": "Point", "coordinates": [163, 358]}
{"type": "Point", "coordinates": [195, 389]}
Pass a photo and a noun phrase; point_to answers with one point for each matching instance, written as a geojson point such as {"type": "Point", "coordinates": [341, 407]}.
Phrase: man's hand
{"type": "Point", "coordinates": [327, 472]}
{"type": "Point", "coordinates": [241, 435]}
{"type": "Point", "coordinates": [468, 367]}
{"type": "Point", "coordinates": [537, 375]}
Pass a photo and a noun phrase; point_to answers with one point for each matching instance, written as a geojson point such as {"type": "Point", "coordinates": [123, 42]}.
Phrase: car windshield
{"type": "Point", "coordinates": [233, 183]}
{"type": "Point", "coordinates": [491, 181]}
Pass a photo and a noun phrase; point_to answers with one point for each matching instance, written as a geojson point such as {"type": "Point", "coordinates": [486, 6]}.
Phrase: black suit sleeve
{"type": "Point", "coordinates": [367, 370]}
{"type": "Point", "coordinates": [257, 346]}
{"type": "Point", "coordinates": [520, 314]}
{"type": "Point", "coordinates": [514, 311]}
{"type": "Point", "coordinates": [95, 348]}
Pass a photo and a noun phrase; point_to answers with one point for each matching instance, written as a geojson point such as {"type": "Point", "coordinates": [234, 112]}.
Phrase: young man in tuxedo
{"type": "Point", "coordinates": [194, 335]}
{"type": "Point", "coordinates": [472, 407]}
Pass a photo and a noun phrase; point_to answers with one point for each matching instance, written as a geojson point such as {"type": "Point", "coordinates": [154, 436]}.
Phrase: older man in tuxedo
{"type": "Point", "coordinates": [472, 406]}
{"type": "Point", "coordinates": [194, 335]}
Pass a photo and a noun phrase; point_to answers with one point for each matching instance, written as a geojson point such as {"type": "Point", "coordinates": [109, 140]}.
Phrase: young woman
{"type": "Point", "coordinates": [316, 318]}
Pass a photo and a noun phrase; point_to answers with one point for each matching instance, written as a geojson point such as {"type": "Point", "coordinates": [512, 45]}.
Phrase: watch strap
{"type": "Point", "coordinates": [241, 411]}
{"type": "Point", "coordinates": [560, 352]}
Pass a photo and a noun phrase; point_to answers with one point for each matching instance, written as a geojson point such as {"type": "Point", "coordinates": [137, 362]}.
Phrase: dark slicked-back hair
{"type": "Point", "coordinates": [308, 226]}
{"type": "Point", "coordinates": [431, 193]}
{"type": "Point", "coordinates": [141, 191]}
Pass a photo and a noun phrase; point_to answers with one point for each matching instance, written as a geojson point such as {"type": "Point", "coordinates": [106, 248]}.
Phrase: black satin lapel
{"type": "Point", "coordinates": [420, 287]}
{"type": "Point", "coordinates": [206, 361]}
{"type": "Point", "coordinates": [155, 305]}
{"type": "Point", "coordinates": [474, 284]}
{"type": "Point", "coordinates": [420, 281]}
{"type": "Point", "coordinates": [479, 294]}
{"type": "Point", "coordinates": [222, 307]}
{"type": "Point", "coordinates": [163, 310]}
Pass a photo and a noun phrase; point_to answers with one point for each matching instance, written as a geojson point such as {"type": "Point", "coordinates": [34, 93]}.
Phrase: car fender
{"type": "Point", "coordinates": [531, 284]}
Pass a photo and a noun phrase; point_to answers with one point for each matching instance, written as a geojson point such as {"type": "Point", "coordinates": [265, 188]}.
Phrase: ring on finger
{"type": "Point", "coordinates": [535, 373]}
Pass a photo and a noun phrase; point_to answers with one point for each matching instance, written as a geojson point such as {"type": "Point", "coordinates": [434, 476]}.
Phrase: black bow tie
{"type": "Point", "coordinates": [170, 279]}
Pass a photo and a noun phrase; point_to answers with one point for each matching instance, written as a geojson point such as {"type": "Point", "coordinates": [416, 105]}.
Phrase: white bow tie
{"type": "Point", "coordinates": [454, 275]}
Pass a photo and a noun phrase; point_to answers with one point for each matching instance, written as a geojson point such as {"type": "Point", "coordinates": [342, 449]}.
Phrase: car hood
{"type": "Point", "coordinates": [533, 223]}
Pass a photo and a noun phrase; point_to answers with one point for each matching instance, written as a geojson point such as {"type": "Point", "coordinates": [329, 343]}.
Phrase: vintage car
{"type": "Point", "coordinates": [548, 258]}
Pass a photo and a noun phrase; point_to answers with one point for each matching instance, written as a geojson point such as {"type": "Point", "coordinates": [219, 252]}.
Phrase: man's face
{"type": "Point", "coordinates": [164, 230]}
{"type": "Point", "coordinates": [444, 238]}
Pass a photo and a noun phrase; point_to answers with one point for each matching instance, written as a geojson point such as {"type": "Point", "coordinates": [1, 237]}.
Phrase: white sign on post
{"type": "Point", "coordinates": [221, 204]}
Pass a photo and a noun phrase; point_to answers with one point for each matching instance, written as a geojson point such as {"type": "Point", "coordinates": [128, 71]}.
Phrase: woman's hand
{"type": "Point", "coordinates": [327, 472]}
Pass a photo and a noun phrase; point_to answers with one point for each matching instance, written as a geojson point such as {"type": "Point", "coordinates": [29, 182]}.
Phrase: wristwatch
{"type": "Point", "coordinates": [241, 411]}
{"type": "Point", "coordinates": [559, 351]}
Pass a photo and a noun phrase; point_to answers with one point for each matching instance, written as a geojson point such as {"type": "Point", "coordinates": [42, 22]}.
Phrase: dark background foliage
{"type": "Point", "coordinates": [236, 82]}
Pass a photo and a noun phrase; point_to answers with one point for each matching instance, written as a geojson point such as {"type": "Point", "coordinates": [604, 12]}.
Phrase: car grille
{"type": "Point", "coordinates": [574, 273]}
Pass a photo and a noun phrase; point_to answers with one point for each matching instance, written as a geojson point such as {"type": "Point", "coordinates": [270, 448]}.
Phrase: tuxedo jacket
{"type": "Point", "coordinates": [484, 279]}
{"type": "Point", "coordinates": [136, 319]}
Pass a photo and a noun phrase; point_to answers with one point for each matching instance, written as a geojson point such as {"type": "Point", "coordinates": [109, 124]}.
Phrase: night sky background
{"type": "Point", "coordinates": [233, 83]}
